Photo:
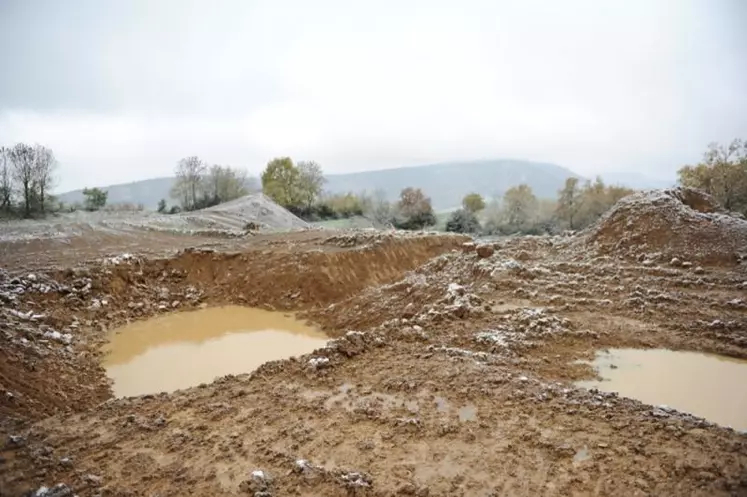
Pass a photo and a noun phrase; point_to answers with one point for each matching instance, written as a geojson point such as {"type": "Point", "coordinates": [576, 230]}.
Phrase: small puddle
{"type": "Point", "coordinates": [185, 349]}
{"type": "Point", "coordinates": [442, 405]}
{"type": "Point", "coordinates": [467, 413]}
{"type": "Point", "coordinates": [705, 385]}
{"type": "Point", "coordinates": [581, 455]}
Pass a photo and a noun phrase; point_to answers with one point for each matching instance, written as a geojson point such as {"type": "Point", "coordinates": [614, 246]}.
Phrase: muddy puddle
{"type": "Point", "coordinates": [185, 349]}
{"type": "Point", "coordinates": [709, 386]}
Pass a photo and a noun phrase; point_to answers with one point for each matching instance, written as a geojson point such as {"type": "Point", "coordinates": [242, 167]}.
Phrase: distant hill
{"type": "Point", "coordinates": [448, 182]}
{"type": "Point", "coordinates": [147, 192]}
{"type": "Point", "coordinates": [445, 183]}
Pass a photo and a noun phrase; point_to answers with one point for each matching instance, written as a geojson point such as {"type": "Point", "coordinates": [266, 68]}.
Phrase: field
{"type": "Point", "coordinates": [450, 369]}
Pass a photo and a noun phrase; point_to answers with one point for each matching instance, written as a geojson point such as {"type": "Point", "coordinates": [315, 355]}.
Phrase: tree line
{"type": "Point", "coordinates": [299, 187]}
{"type": "Point", "coordinates": [27, 176]}
{"type": "Point", "coordinates": [520, 211]}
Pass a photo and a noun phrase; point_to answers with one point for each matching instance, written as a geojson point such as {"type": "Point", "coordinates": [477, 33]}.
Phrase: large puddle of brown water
{"type": "Point", "coordinates": [185, 349]}
{"type": "Point", "coordinates": [709, 386]}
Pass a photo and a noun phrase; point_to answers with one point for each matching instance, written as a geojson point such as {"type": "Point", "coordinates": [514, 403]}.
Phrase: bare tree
{"type": "Point", "coordinates": [6, 180]}
{"type": "Point", "coordinates": [22, 157]}
{"type": "Point", "coordinates": [44, 166]}
{"type": "Point", "coordinates": [520, 206]}
{"type": "Point", "coordinates": [570, 200]}
{"type": "Point", "coordinates": [189, 175]}
{"type": "Point", "coordinates": [310, 182]}
{"type": "Point", "coordinates": [224, 183]}
{"type": "Point", "coordinates": [380, 209]}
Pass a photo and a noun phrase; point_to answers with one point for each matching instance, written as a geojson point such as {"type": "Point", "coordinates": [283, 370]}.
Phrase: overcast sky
{"type": "Point", "coordinates": [122, 89]}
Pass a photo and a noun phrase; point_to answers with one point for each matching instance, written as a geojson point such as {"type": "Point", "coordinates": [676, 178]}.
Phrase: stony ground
{"type": "Point", "coordinates": [449, 370]}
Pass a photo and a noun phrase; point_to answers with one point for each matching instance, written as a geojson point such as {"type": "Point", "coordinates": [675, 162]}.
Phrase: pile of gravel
{"type": "Point", "coordinates": [257, 208]}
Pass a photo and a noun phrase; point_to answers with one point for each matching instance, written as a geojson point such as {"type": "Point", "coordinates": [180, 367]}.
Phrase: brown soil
{"type": "Point", "coordinates": [450, 372]}
{"type": "Point", "coordinates": [680, 223]}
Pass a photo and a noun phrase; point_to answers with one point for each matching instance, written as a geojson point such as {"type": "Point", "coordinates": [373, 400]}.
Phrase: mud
{"type": "Point", "coordinates": [450, 371]}
{"type": "Point", "coordinates": [705, 385]}
{"type": "Point", "coordinates": [184, 349]}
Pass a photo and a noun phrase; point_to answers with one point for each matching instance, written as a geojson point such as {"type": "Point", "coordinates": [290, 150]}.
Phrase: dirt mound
{"type": "Point", "coordinates": [681, 223]}
{"type": "Point", "coordinates": [258, 209]}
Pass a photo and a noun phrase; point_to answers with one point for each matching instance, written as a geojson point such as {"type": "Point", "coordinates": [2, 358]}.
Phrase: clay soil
{"type": "Point", "coordinates": [449, 372]}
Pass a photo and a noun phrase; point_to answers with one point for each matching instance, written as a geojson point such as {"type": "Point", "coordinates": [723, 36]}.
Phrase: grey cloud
{"type": "Point", "coordinates": [122, 56]}
{"type": "Point", "coordinates": [627, 85]}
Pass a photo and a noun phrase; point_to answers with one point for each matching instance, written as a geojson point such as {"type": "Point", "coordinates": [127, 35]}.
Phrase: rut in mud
{"type": "Point", "coordinates": [451, 370]}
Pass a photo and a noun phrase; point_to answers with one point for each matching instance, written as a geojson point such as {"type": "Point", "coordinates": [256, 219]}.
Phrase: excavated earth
{"type": "Point", "coordinates": [449, 370]}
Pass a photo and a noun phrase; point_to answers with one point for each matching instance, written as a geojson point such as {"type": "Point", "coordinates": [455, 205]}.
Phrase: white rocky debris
{"type": "Point", "coordinates": [457, 352]}
{"type": "Point", "coordinates": [355, 479]}
{"type": "Point", "coordinates": [65, 338]}
{"type": "Point", "coordinates": [120, 259]}
{"type": "Point", "coordinates": [26, 316]}
{"type": "Point", "coordinates": [318, 362]}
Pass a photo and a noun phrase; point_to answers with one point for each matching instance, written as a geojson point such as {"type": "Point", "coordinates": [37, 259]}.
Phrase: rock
{"type": "Point", "coordinates": [59, 490]}
{"type": "Point", "coordinates": [659, 413]}
{"type": "Point", "coordinates": [16, 440]}
{"type": "Point", "coordinates": [687, 264]}
{"type": "Point", "coordinates": [318, 362]}
{"type": "Point", "coordinates": [675, 262]}
{"type": "Point", "coordinates": [92, 479]}
{"type": "Point", "coordinates": [468, 247]}
{"type": "Point", "coordinates": [175, 304]}
{"type": "Point", "coordinates": [355, 480]}
{"type": "Point", "coordinates": [258, 483]}
{"type": "Point", "coordinates": [699, 270]}
{"type": "Point", "coordinates": [484, 251]}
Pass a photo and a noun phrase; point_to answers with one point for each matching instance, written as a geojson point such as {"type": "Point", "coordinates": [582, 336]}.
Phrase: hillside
{"type": "Point", "coordinates": [445, 183]}
{"type": "Point", "coordinates": [448, 182]}
{"type": "Point", "coordinates": [147, 192]}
